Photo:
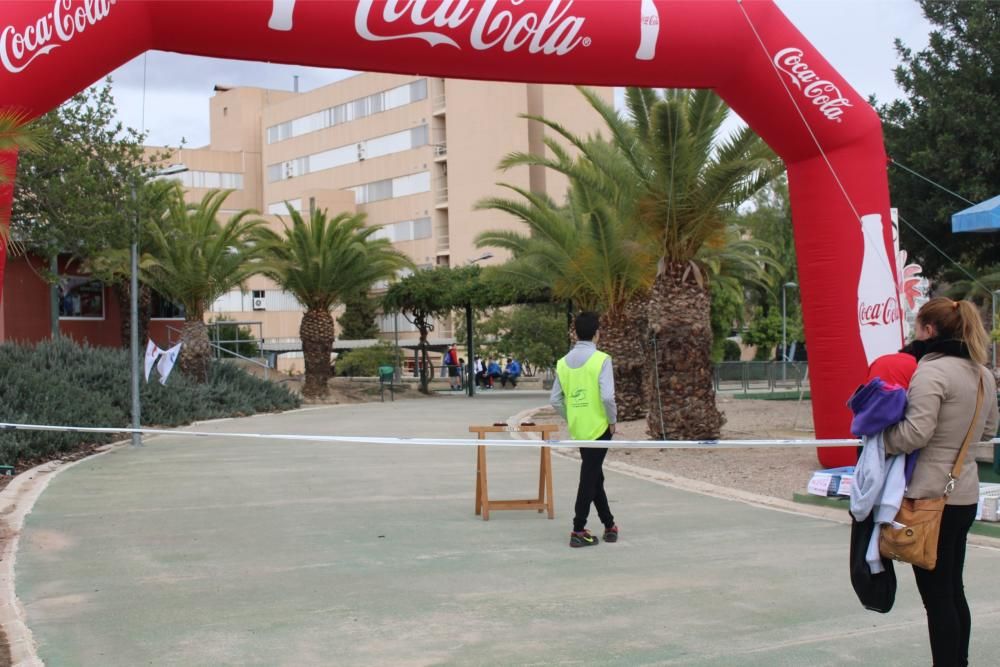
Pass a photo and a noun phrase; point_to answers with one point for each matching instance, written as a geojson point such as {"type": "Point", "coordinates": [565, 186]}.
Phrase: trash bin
{"type": "Point", "coordinates": [385, 377]}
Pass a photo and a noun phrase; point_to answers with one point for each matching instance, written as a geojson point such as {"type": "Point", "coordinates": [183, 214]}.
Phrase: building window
{"type": "Point", "coordinates": [209, 179]}
{"type": "Point", "coordinates": [388, 144]}
{"type": "Point", "coordinates": [348, 111]}
{"type": "Point", "coordinates": [407, 230]}
{"type": "Point", "coordinates": [81, 297]}
{"type": "Point", "coordinates": [391, 188]}
{"type": "Point", "coordinates": [281, 207]}
{"type": "Point", "coordinates": [162, 308]}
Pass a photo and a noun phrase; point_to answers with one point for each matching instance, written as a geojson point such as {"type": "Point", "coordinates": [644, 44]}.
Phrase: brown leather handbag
{"type": "Point", "coordinates": [913, 536]}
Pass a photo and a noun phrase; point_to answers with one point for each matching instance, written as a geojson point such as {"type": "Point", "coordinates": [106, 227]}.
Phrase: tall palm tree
{"type": "Point", "coordinates": [588, 253]}
{"type": "Point", "coordinates": [323, 261]}
{"type": "Point", "coordinates": [193, 259]}
{"type": "Point", "coordinates": [686, 181]}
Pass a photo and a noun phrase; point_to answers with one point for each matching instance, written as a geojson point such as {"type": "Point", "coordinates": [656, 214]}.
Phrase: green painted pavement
{"type": "Point", "coordinates": [213, 551]}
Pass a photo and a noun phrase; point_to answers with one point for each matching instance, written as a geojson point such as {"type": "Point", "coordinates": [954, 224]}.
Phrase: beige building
{"type": "Point", "coordinates": [412, 153]}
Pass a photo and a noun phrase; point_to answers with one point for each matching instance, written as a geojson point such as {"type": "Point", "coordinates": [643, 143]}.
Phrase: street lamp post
{"type": "Point", "coordinates": [471, 348]}
{"type": "Point", "coordinates": [784, 329]}
{"type": "Point", "coordinates": [134, 305]}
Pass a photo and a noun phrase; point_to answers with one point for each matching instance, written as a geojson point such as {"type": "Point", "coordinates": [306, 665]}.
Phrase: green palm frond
{"type": "Point", "coordinates": [193, 258]}
{"type": "Point", "coordinates": [17, 132]}
{"type": "Point", "coordinates": [322, 260]}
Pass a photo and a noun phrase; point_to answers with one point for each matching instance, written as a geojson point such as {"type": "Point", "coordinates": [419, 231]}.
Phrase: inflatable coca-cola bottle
{"type": "Point", "coordinates": [878, 300]}
{"type": "Point", "coordinates": [649, 31]}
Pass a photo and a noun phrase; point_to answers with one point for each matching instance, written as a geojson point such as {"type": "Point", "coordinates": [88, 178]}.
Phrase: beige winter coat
{"type": "Point", "coordinates": [941, 403]}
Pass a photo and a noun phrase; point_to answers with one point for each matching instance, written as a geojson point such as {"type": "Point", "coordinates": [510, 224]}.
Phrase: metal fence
{"type": "Point", "coordinates": [748, 376]}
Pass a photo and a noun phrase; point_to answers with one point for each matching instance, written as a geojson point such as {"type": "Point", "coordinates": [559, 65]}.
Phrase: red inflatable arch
{"type": "Point", "coordinates": [829, 137]}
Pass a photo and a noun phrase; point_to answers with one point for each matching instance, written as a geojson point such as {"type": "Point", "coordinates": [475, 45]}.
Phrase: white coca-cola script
{"type": "Point", "coordinates": [21, 45]}
{"type": "Point", "coordinates": [821, 92]}
{"type": "Point", "coordinates": [877, 314]}
{"type": "Point", "coordinates": [494, 23]}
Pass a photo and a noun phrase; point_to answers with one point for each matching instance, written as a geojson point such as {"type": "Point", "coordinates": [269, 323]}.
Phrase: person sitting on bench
{"type": "Point", "coordinates": [511, 373]}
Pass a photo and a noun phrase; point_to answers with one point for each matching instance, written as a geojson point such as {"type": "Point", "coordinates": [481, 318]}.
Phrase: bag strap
{"type": "Point", "coordinates": [956, 470]}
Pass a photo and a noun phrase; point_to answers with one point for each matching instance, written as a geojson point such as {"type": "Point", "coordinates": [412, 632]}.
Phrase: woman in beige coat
{"type": "Point", "coordinates": [941, 405]}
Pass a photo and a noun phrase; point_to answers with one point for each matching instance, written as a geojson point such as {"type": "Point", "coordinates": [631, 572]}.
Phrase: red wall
{"type": "Point", "coordinates": [25, 312]}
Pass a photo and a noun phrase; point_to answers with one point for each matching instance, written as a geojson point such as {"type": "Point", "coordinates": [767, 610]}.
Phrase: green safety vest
{"type": "Point", "coordinates": [582, 392]}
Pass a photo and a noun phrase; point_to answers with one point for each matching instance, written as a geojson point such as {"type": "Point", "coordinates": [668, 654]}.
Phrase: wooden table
{"type": "Point", "coordinates": [544, 500]}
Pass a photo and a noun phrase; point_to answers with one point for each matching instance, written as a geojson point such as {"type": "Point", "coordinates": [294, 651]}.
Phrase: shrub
{"type": "Point", "coordinates": [62, 383]}
{"type": "Point", "coordinates": [364, 361]}
{"type": "Point", "coordinates": [731, 350]}
{"type": "Point", "coordinates": [233, 338]}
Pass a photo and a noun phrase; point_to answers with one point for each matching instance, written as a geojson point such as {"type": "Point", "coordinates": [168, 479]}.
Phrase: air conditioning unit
{"type": "Point", "coordinates": [258, 303]}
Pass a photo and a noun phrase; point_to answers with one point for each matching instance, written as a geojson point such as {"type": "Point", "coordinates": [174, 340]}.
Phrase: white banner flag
{"type": "Point", "coordinates": [167, 361]}
{"type": "Point", "coordinates": [152, 352]}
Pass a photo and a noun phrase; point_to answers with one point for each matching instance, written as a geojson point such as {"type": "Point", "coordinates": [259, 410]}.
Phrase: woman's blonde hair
{"type": "Point", "coordinates": [957, 320]}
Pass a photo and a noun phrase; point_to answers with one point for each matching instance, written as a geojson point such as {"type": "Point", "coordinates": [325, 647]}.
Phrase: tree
{"type": "Point", "coordinates": [428, 295]}
{"type": "Point", "coordinates": [112, 265]}
{"type": "Point", "coordinates": [358, 320]}
{"type": "Point", "coordinates": [589, 251]}
{"type": "Point", "coordinates": [193, 259]}
{"type": "Point", "coordinates": [691, 183]}
{"type": "Point", "coordinates": [17, 133]}
{"type": "Point", "coordinates": [946, 128]}
{"type": "Point", "coordinates": [533, 334]}
{"type": "Point", "coordinates": [685, 183]}
{"type": "Point", "coordinates": [323, 261]}
{"type": "Point", "coordinates": [76, 197]}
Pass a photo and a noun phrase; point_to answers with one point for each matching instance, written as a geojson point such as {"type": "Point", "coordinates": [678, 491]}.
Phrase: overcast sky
{"type": "Point", "coordinates": [856, 36]}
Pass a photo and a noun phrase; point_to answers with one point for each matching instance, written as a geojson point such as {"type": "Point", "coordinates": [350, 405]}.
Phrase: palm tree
{"type": "Point", "coordinates": [113, 265]}
{"type": "Point", "coordinates": [17, 133]}
{"type": "Point", "coordinates": [193, 259]}
{"type": "Point", "coordinates": [686, 183]}
{"type": "Point", "coordinates": [588, 253]}
{"type": "Point", "coordinates": [324, 261]}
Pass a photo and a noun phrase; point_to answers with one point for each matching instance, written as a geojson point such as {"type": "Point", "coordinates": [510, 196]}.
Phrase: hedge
{"type": "Point", "coordinates": [64, 383]}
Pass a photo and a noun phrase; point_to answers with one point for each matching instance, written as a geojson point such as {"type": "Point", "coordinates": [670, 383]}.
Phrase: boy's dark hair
{"type": "Point", "coordinates": [586, 325]}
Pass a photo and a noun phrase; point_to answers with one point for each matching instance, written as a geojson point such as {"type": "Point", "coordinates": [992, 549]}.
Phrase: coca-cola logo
{"type": "Point", "coordinates": [821, 92]}
{"type": "Point", "coordinates": [20, 46]}
{"type": "Point", "coordinates": [878, 314]}
{"type": "Point", "coordinates": [493, 24]}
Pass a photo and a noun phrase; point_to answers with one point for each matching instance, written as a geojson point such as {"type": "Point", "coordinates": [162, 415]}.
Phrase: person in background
{"type": "Point", "coordinates": [480, 370]}
{"type": "Point", "coordinates": [584, 394]}
{"type": "Point", "coordinates": [492, 372]}
{"type": "Point", "coordinates": [511, 373]}
{"type": "Point", "coordinates": [454, 371]}
{"type": "Point", "coordinates": [941, 402]}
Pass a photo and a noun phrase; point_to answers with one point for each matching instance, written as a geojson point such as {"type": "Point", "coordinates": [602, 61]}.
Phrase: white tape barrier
{"type": "Point", "coordinates": [452, 442]}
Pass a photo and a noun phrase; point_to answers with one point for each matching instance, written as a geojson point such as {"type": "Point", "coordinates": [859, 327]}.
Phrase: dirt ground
{"type": "Point", "coordinates": [348, 390]}
{"type": "Point", "coordinates": [768, 471]}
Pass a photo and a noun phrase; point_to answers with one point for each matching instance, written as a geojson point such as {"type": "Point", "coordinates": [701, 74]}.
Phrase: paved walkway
{"type": "Point", "coordinates": [215, 551]}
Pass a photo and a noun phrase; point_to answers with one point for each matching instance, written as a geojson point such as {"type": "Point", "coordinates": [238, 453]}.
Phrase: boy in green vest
{"type": "Point", "coordinates": [584, 394]}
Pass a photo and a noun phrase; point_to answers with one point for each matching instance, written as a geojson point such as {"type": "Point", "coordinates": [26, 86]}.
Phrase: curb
{"type": "Point", "coordinates": [16, 501]}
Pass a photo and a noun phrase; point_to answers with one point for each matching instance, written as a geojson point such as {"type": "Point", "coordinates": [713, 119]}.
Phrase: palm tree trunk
{"type": "Point", "coordinates": [681, 393]}
{"type": "Point", "coordinates": [317, 334]}
{"type": "Point", "coordinates": [196, 351]}
{"type": "Point", "coordinates": [623, 335]}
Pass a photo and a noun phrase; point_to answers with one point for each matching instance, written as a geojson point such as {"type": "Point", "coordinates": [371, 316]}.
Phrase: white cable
{"type": "Point", "coordinates": [454, 442]}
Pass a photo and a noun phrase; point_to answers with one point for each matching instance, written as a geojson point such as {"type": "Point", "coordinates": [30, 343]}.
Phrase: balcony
{"type": "Point", "coordinates": [440, 151]}
{"type": "Point", "coordinates": [438, 105]}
